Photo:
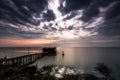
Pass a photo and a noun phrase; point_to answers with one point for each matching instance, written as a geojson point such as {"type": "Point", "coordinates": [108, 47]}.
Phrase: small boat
{"type": "Point", "coordinates": [62, 53]}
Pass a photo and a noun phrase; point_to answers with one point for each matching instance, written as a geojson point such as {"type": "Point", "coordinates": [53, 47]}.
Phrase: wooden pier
{"type": "Point", "coordinates": [23, 60]}
{"type": "Point", "coordinates": [28, 59]}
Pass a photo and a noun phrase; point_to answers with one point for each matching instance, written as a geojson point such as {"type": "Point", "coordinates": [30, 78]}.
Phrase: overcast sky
{"type": "Point", "coordinates": [35, 22]}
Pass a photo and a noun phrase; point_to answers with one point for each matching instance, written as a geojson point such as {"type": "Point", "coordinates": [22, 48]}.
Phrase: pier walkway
{"type": "Point", "coordinates": [23, 60]}
{"type": "Point", "coordinates": [28, 59]}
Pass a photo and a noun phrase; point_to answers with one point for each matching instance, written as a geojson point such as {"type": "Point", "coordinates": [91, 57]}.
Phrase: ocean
{"type": "Point", "coordinates": [84, 58]}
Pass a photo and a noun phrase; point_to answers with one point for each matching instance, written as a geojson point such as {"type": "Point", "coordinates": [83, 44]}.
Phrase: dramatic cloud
{"type": "Point", "coordinates": [59, 19]}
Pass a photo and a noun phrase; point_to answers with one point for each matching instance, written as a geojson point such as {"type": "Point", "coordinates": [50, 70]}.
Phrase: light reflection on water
{"type": "Point", "coordinates": [60, 71]}
{"type": "Point", "coordinates": [84, 58]}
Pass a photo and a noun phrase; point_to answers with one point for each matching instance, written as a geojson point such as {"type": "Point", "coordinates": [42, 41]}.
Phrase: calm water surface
{"type": "Point", "coordinates": [83, 58]}
{"type": "Point", "coordinates": [86, 58]}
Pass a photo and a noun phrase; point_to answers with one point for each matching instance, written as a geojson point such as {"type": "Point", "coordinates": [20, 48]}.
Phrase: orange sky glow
{"type": "Point", "coordinates": [25, 42]}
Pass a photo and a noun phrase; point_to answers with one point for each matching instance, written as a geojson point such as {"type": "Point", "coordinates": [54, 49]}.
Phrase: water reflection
{"type": "Point", "coordinates": [85, 58]}
{"type": "Point", "coordinates": [62, 72]}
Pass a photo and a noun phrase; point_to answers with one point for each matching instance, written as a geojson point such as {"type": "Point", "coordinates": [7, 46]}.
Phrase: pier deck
{"type": "Point", "coordinates": [28, 59]}
{"type": "Point", "coordinates": [23, 60]}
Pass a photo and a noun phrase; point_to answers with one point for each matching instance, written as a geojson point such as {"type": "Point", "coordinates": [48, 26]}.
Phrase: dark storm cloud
{"type": "Point", "coordinates": [105, 3]}
{"type": "Point", "coordinates": [90, 7]}
{"type": "Point", "coordinates": [75, 5]}
{"type": "Point", "coordinates": [111, 29]}
{"type": "Point", "coordinates": [11, 32]}
{"type": "Point", "coordinates": [111, 26]}
{"type": "Point", "coordinates": [90, 12]}
{"type": "Point", "coordinates": [83, 4]}
{"type": "Point", "coordinates": [19, 13]}
{"type": "Point", "coordinates": [113, 12]}
{"type": "Point", "coordinates": [7, 31]}
{"type": "Point", "coordinates": [49, 15]}
{"type": "Point", "coordinates": [78, 4]}
{"type": "Point", "coordinates": [73, 14]}
{"type": "Point", "coordinates": [28, 35]}
{"type": "Point", "coordinates": [14, 14]}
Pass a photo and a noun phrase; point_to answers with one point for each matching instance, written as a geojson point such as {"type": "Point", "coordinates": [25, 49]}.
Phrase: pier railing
{"type": "Point", "coordinates": [23, 60]}
{"type": "Point", "coordinates": [28, 59]}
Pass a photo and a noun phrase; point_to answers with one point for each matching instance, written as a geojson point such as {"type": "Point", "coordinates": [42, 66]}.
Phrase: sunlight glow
{"type": "Point", "coordinates": [64, 27]}
{"type": "Point", "coordinates": [25, 42]}
{"type": "Point", "coordinates": [53, 5]}
{"type": "Point", "coordinates": [69, 35]}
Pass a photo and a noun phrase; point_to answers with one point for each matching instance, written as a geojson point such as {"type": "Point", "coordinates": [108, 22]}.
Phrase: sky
{"type": "Point", "coordinates": [42, 22]}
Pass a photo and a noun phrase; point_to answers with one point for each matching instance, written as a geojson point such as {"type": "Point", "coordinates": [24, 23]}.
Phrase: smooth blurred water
{"type": "Point", "coordinates": [84, 58]}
